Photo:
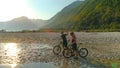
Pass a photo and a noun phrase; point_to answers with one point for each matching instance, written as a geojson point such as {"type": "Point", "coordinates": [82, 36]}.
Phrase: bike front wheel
{"type": "Point", "coordinates": [83, 52]}
{"type": "Point", "coordinates": [57, 50]}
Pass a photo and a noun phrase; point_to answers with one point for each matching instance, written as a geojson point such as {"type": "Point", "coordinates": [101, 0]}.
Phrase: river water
{"type": "Point", "coordinates": [36, 55]}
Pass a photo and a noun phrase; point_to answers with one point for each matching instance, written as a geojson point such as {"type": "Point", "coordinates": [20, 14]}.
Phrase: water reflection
{"type": "Point", "coordinates": [20, 53]}
{"type": "Point", "coordinates": [11, 49]}
{"type": "Point", "coordinates": [36, 55]}
{"type": "Point", "coordinates": [9, 53]}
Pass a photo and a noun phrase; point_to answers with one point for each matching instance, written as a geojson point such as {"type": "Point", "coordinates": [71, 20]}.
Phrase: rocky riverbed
{"type": "Point", "coordinates": [103, 47]}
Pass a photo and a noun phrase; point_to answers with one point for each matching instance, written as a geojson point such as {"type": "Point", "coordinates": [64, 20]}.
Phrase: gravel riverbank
{"type": "Point", "coordinates": [102, 46]}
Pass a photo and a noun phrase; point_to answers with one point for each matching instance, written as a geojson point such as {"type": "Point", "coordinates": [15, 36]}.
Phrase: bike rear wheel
{"type": "Point", "coordinates": [57, 50]}
{"type": "Point", "coordinates": [83, 52]}
{"type": "Point", "coordinates": [67, 53]}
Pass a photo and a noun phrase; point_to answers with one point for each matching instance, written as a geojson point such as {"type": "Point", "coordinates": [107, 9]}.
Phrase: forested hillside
{"type": "Point", "coordinates": [88, 15]}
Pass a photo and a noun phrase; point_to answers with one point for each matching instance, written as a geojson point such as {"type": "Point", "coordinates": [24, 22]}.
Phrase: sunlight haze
{"type": "Point", "coordinates": [10, 9]}
{"type": "Point", "coordinates": [33, 9]}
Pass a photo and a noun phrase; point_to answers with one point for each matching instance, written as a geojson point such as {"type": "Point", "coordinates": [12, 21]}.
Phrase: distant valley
{"type": "Point", "coordinates": [22, 23]}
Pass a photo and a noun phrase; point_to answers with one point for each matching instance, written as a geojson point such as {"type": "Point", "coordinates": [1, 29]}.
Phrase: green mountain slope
{"type": "Point", "coordinates": [88, 15]}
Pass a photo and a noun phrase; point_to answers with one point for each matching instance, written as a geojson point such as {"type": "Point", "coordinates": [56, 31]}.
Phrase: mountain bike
{"type": "Point", "coordinates": [69, 52]}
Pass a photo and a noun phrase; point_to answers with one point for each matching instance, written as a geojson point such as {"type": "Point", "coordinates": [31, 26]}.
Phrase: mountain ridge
{"type": "Point", "coordinates": [88, 15]}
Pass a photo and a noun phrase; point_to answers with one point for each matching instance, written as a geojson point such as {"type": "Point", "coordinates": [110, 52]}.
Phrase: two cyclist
{"type": "Point", "coordinates": [68, 52]}
{"type": "Point", "coordinates": [73, 40]}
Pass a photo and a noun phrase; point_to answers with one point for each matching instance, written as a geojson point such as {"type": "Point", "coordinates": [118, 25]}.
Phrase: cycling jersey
{"type": "Point", "coordinates": [73, 39]}
{"type": "Point", "coordinates": [64, 39]}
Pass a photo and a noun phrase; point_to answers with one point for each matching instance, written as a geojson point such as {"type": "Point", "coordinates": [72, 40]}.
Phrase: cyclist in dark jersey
{"type": "Point", "coordinates": [64, 39]}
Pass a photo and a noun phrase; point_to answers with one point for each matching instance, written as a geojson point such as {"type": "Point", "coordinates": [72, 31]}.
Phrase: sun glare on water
{"type": "Point", "coordinates": [12, 49]}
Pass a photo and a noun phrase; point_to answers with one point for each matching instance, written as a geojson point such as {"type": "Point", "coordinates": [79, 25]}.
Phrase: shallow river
{"type": "Point", "coordinates": [36, 55]}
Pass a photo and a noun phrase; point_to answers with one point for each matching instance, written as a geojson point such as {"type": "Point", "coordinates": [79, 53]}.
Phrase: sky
{"type": "Point", "coordinates": [33, 9]}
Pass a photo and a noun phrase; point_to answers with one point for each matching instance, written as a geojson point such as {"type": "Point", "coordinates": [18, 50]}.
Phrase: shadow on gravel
{"type": "Point", "coordinates": [62, 62]}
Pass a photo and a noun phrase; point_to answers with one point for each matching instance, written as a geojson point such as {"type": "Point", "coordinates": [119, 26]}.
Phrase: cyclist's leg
{"type": "Point", "coordinates": [65, 45]}
{"type": "Point", "coordinates": [74, 47]}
